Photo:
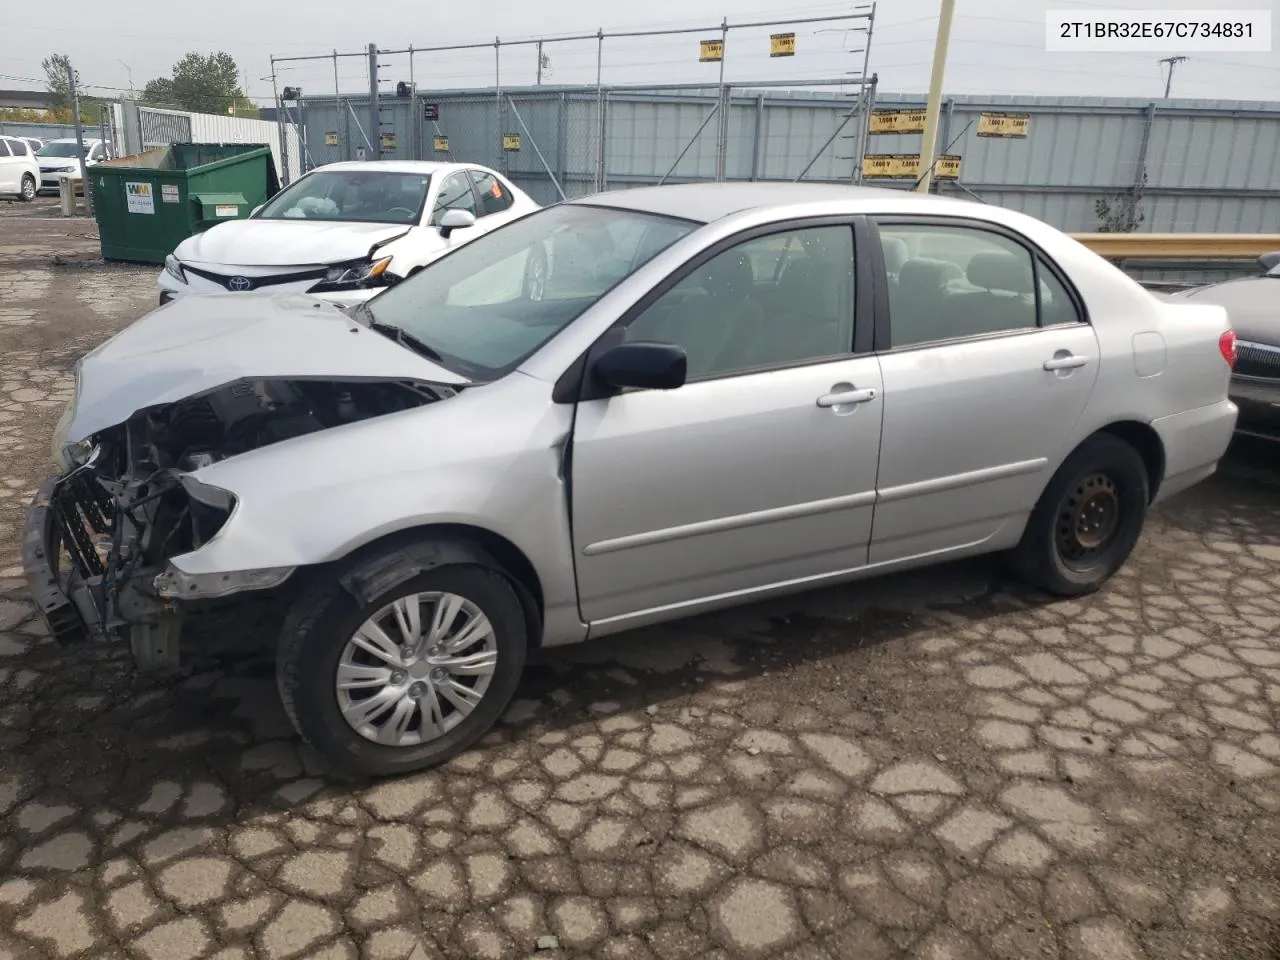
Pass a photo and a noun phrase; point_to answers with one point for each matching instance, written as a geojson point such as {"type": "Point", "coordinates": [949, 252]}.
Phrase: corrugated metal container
{"type": "Point", "coordinates": [147, 204]}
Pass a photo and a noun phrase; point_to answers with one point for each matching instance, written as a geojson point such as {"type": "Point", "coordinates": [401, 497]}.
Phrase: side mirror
{"type": "Point", "coordinates": [1268, 261]}
{"type": "Point", "coordinates": [456, 220]}
{"type": "Point", "coordinates": [647, 366]}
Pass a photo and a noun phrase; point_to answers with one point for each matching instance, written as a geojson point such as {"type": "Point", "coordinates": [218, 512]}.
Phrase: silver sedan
{"type": "Point", "coordinates": [721, 393]}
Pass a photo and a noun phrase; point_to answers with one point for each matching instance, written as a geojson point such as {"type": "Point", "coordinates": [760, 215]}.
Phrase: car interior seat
{"type": "Point", "coordinates": [916, 302]}
{"type": "Point", "coordinates": [1005, 299]}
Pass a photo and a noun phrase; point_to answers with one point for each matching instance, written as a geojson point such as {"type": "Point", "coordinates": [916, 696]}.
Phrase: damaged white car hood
{"type": "Point", "coordinates": [279, 243]}
{"type": "Point", "coordinates": [199, 343]}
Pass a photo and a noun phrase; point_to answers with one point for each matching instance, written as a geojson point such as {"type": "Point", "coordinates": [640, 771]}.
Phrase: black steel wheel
{"type": "Point", "coordinates": [1088, 519]}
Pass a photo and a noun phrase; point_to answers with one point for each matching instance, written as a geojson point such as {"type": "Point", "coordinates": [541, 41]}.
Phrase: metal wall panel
{"type": "Point", "coordinates": [1210, 165]}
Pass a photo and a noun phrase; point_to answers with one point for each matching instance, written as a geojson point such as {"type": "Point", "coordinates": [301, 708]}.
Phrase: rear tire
{"type": "Point", "coordinates": [1088, 519]}
{"type": "Point", "coordinates": [318, 650]}
{"type": "Point", "coordinates": [28, 192]}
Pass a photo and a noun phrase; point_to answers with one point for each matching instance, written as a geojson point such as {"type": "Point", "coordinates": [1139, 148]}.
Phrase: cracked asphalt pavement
{"type": "Point", "coordinates": [940, 765]}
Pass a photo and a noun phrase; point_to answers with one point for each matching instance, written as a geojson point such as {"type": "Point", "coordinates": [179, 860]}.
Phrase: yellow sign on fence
{"type": "Point", "coordinates": [331, 138]}
{"type": "Point", "coordinates": [782, 45]}
{"type": "Point", "coordinates": [1009, 126]}
{"type": "Point", "coordinates": [897, 121]}
{"type": "Point", "coordinates": [388, 141]}
{"type": "Point", "coordinates": [440, 144]}
{"type": "Point", "coordinates": [511, 142]}
{"type": "Point", "coordinates": [709, 51]}
{"type": "Point", "coordinates": [906, 166]}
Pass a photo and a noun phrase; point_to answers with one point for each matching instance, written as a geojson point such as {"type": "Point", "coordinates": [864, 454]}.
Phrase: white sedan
{"type": "Point", "coordinates": [346, 231]}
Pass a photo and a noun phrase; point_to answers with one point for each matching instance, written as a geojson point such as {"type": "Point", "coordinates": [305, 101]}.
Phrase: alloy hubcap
{"type": "Point", "coordinates": [1089, 518]}
{"type": "Point", "coordinates": [416, 669]}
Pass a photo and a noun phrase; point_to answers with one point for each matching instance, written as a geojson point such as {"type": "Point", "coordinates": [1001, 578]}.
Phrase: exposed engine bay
{"type": "Point", "coordinates": [132, 503]}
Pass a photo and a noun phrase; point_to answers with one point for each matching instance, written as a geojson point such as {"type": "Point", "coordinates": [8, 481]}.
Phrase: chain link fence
{"type": "Point", "coordinates": [557, 143]}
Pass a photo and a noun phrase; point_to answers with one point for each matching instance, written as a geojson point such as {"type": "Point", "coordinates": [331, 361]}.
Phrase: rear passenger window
{"type": "Point", "coordinates": [19, 148]}
{"type": "Point", "coordinates": [947, 283]}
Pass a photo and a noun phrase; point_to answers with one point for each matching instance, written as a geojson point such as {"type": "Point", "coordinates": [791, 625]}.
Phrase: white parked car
{"type": "Point", "coordinates": [346, 231]}
{"type": "Point", "coordinates": [63, 156]}
{"type": "Point", "coordinates": [19, 171]}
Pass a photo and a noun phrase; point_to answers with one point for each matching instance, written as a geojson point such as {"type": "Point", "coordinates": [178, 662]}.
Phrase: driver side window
{"type": "Point", "coordinates": [455, 194]}
{"type": "Point", "coordinates": [768, 302]}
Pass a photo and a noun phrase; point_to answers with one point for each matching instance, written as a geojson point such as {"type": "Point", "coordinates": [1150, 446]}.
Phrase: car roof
{"type": "Point", "coordinates": [73, 140]}
{"type": "Point", "coordinates": [706, 202]}
{"type": "Point", "coordinates": [400, 166]}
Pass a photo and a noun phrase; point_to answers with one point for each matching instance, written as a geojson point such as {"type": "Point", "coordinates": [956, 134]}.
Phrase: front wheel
{"type": "Point", "coordinates": [28, 192]}
{"type": "Point", "coordinates": [407, 680]}
{"type": "Point", "coordinates": [1088, 519]}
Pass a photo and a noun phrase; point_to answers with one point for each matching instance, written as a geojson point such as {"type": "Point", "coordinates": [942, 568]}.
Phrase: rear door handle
{"type": "Point", "coordinates": [844, 398]}
{"type": "Point", "coordinates": [1068, 362]}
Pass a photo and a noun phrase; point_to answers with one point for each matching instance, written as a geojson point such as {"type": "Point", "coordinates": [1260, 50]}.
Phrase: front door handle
{"type": "Point", "coordinates": [845, 398]}
{"type": "Point", "coordinates": [1067, 362]}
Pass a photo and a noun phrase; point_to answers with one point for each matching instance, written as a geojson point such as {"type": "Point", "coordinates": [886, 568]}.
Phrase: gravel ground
{"type": "Point", "coordinates": [941, 765]}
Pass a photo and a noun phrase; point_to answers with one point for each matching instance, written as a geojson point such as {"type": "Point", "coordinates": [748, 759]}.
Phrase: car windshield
{"type": "Point", "coordinates": [357, 196]}
{"type": "Point", "coordinates": [491, 303]}
{"type": "Point", "coordinates": [67, 149]}
{"type": "Point", "coordinates": [1273, 272]}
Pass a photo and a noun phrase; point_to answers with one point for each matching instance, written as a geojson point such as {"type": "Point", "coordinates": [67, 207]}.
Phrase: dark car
{"type": "Point", "coordinates": [1253, 303]}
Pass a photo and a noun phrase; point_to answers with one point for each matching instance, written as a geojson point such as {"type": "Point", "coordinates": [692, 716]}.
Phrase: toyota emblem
{"type": "Point", "coordinates": [240, 283]}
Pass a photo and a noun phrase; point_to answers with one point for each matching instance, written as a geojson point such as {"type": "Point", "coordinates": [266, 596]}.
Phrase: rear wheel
{"type": "Point", "coordinates": [28, 192]}
{"type": "Point", "coordinates": [407, 680]}
{"type": "Point", "coordinates": [1088, 519]}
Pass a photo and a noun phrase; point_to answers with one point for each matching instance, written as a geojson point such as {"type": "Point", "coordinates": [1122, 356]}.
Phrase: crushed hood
{"type": "Point", "coordinates": [1252, 303]}
{"type": "Point", "coordinates": [198, 343]}
{"type": "Point", "coordinates": [285, 243]}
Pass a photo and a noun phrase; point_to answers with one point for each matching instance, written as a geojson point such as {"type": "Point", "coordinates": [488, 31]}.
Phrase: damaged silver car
{"type": "Point", "coordinates": [720, 393]}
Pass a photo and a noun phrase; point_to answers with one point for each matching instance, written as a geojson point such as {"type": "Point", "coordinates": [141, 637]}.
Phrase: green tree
{"type": "Point", "coordinates": [159, 93]}
{"type": "Point", "coordinates": [56, 66]}
{"type": "Point", "coordinates": [201, 83]}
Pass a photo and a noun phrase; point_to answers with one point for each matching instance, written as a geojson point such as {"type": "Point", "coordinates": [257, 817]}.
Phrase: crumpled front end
{"type": "Point", "coordinates": [101, 536]}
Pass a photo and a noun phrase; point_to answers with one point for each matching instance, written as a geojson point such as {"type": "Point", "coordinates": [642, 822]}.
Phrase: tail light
{"type": "Point", "coordinates": [1227, 345]}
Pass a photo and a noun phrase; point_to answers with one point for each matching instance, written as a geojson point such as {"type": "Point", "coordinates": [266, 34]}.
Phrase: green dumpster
{"type": "Point", "coordinates": [149, 203]}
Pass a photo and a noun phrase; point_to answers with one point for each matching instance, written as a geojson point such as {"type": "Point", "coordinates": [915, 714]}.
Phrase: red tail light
{"type": "Point", "coordinates": [1227, 344]}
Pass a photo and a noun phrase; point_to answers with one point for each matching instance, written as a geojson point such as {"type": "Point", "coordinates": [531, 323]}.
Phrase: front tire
{"type": "Point", "coordinates": [1088, 519]}
{"type": "Point", "coordinates": [407, 680]}
{"type": "Point", "coordinates": [28, 192]}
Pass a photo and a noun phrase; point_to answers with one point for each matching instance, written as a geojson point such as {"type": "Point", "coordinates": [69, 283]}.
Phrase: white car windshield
{"type": "Point", "coordinates": [492, 302]}
{"type": "Point", "coordinates": [355, 196]}
{"type": "Point", "coordinates": [69, 149]}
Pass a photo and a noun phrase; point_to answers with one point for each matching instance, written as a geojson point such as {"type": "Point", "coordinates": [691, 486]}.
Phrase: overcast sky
{"type": "Point", "coordinates": [997, 46]}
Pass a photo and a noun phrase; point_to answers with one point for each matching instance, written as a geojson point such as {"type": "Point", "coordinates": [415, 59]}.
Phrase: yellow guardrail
{"type": "Point", "coordinates": [1180, 246]}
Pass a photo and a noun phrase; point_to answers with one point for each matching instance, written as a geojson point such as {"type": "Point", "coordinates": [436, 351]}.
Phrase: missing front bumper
{"type": "Point", "coordinates": [62, 618]}
{"type": "Point", "coordinates": [69, 580]}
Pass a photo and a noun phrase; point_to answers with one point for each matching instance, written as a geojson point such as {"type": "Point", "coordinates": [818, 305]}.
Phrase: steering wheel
{"type": "Point", "coordinates": [407, 212]}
